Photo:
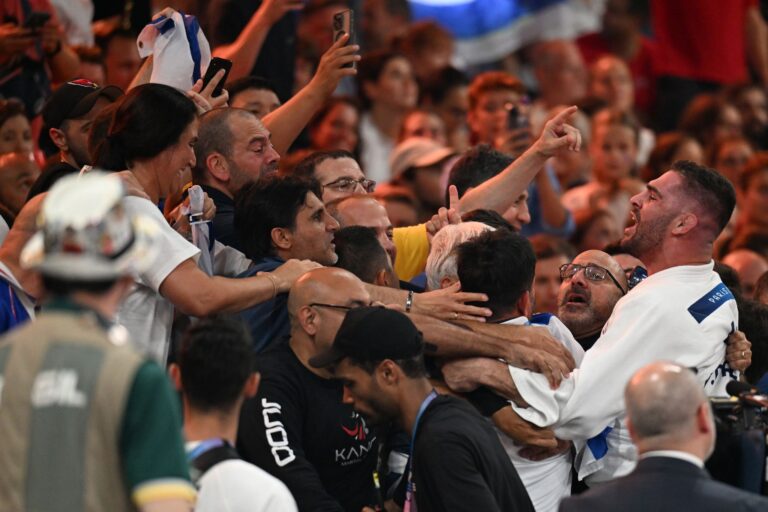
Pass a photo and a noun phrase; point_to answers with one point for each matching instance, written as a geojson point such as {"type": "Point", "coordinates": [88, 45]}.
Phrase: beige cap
{"type": "Point", "coordinates": [417, 152]}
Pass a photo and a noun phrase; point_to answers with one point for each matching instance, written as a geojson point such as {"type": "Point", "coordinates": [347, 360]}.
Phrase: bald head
{"type": "Point", "coordinates": [326, 285]}
{"type": "Point", "coordinates": [560, 71]}
{"type": "Point", "coordinates": [664, 402]}
{"type": "Point", "coordinates": [749, 266]}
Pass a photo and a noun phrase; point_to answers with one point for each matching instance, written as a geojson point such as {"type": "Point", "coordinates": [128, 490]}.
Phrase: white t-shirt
{"type": "Point", "coordinates": [145, 313]}
{"type": "Point", "coordinates": [547, 481]}
{"type": "Point", "coordinates": [238, 486]}
{"type": "Point", "coordinates": [683, 314]}
{"type": "Point", "coordinates": [375, 150]}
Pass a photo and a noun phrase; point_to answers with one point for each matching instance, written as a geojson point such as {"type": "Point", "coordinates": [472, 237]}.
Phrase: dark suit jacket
{"type": "Point", "coordinates": [662, 484]}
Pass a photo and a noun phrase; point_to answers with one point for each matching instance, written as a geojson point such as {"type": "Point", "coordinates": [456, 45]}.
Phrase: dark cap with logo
{"type": "Point", "coordinates": [75, 99]}
{"type": "Point", "coordinates": [372, 334]}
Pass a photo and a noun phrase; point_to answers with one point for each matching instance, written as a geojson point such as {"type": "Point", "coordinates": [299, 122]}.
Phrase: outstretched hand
{"type": "Point", "coordinates": [558, 135]}
{"type": "Point", "coordinates": [330, 71]}
{"type": "Point", "coordinates": [203, 96]}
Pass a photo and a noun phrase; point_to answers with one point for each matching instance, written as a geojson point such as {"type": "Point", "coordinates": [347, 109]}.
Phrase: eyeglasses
{"type": "Point", "coordinates": [591, 271]}
{"type": "Point", "coordinates": [349, 184]}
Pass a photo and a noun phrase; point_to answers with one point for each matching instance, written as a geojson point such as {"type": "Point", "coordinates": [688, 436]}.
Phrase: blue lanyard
{"type": "Point", "coordinates": [204, 446]}
{"type": "Point", "coordinates": [410, 488]}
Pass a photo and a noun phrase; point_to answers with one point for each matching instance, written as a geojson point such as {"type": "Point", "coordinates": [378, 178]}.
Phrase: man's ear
{"type": "Point", "coordinates": [174, 371]}
{"type": "Point", "coordinates": [525, 304]}
{"type": "Point", "coordinates": [446, 281]}
{"type": "Point", "coordinates": [382, 278]}
{"type": "Point", "coordinates": [59, 139]}
{"type": "Point", "coordinates": [217, 166]}
{"type": "Point", "coordinates": [282, 238]}
{"type": "Point", "coordinates": [685, 223]}
{"type": "Point", "coordinates": [252, 385]}
{"type": "Point", "coordinates": [307, 317]}
{"type": "Point", "coordinates": [388, 372]}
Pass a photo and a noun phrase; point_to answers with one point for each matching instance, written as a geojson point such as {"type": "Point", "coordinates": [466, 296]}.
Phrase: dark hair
{"type": "Point", "coordinates": [272, 202]}
{"type": "Point", "coordinates": [215, 360]}
{"type": "Point", "coordinates": [729, 277]}
{"type": "Point", "coordinates": [413, 367]}
{"type": "Point", "coordinates": [90, 54]}
{"type": "Point", "coordinates": [500, 264]}
{"type": "Point", "coordinates": [477, 165]}
{"type": "Point", "coordinates": [702, 115]}
{"type": "Point", "coordinates": [488, 217]}
{"type": "Point", "coordinates": [215, 136]}
{"type": "Point", "coordinates": [548, 246]}
{"type": "Point", "coordinates": [619, 118]}
{"type": "Point", "coordinates": [360, 252]}
{"type": "Point", "coordinates": [11, 108]}
{"type": "Point", "coordinates": [147, 120]}
{"type": "Point", "coordinates": [710, 189]}
{"type": "Point", "coordinates": [369, 69]}
{"type": "Point", "coordinates": [398, 8]}
{"type": "Point", "coordinates": [753, 322]}
{"type": "Point", "coordinates": [326, 109]}
{"type": "Point", "coordinates": [424, 35]}
{"type": "Point", "coordinates": [584, 219]}
{"type": "Point", "coordinates": [63, 287]}
{"type": "Point", "coordinates": [446, 80]}
{"type": "Point", "coordinates": [105, 40]}
{"type": "Point", "coordinates": [663, 153]}
{"type": "Point", "coordinates": [249, 82]}
{"type": "Point", "coordinates": [306, 168]}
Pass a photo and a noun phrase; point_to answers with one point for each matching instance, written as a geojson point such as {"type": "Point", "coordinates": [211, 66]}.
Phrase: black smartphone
{"type": "Point", "coordinates": [217, 64]}
{"type": "Point", "coordinates": [516, 119]}
{"type": "Point", "coordinates": [36, 20]}
{"type": "Point", "coordinates": [342, 24]}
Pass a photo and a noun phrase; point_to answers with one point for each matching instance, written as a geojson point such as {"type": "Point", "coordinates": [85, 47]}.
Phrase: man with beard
{"type": "Point", "coordinates": [682, 312]}
{"type": "Point", "coordinates": [233, 149]}
{"type": "Point", "coordinates": [67, 118]}
{"type": "Point", "coordinates": [457, 461]}
{"type": "Point", "coordinates": [591, 286]}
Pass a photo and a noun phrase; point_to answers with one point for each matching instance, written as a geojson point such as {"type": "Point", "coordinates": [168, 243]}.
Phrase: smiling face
{"type": "Point", "coordinates": [178, 161]}
{"type": "Point", "coordinates": [584, 305]}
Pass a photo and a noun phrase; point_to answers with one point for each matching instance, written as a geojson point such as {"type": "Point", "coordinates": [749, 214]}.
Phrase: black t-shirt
{"type": "Point", "coordinates": [297, 429]}
{"type": "Point", "coordinates": [460, 465]}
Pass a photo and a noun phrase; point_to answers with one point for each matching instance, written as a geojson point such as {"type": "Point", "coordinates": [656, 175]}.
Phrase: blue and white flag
{"type": "Point", "coordinates": [487, 30]}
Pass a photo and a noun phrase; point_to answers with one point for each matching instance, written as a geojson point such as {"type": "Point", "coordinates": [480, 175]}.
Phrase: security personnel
{"type": "Point", "coordinates": [87, 424]}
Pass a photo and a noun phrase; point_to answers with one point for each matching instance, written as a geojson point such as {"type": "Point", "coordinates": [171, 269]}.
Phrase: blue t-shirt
{"type": "Point", "coordinates": [12, 311]}
{"type": "Point", "coordinates": [268, 320]}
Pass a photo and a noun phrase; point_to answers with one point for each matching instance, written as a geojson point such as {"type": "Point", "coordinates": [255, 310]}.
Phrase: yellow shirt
{"type": "Point", "coordinates": [412, 251]}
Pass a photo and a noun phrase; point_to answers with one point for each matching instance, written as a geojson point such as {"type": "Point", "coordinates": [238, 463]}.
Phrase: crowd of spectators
{"type": "Point", "coordinates": [365, 276]}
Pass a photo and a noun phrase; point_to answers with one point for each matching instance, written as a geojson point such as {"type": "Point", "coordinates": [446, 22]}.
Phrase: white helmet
{"type": "Point", "coordinates": [86, 233]}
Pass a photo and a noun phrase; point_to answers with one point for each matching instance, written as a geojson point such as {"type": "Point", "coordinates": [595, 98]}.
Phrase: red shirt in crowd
{"type": "Point", "coordinates": [701, 39]}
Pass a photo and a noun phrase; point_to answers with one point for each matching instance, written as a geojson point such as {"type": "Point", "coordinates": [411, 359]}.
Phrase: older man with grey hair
{"type": "Point", "coordinates": [670, 421]}
{"type": "Point", "coordinates": [441, 262]}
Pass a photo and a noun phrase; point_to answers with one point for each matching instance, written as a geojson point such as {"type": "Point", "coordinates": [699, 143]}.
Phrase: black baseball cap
{"type": "Point", "coordinates": [372, 333]}
{"type": "Point", "coordinates": [75, 99]}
